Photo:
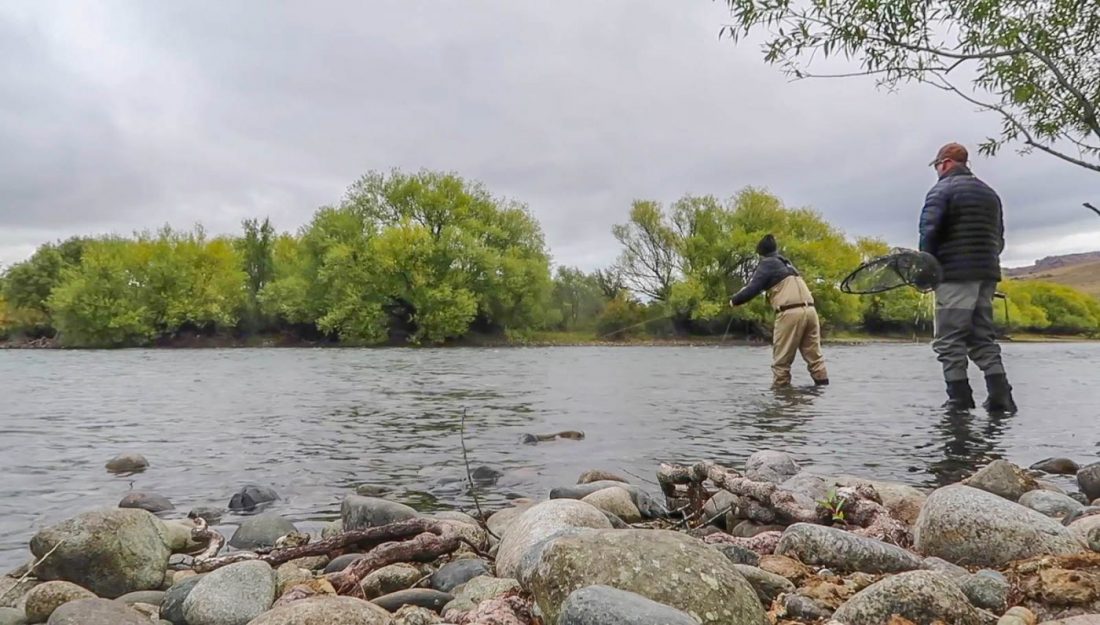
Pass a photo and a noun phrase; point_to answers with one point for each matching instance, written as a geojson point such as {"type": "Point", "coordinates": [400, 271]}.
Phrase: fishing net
{"type": "Point", "coordinates": [901, 267]}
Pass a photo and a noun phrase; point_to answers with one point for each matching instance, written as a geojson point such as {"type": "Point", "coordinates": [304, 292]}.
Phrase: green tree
{"type": "Point", "coordinates": [649, 260]}
{"type": "Point", "coordinates": [256, 250]}
{"type": "Point", "coordinates": [1064, 309]}
{"type": "Point", "coordinates": [1034, 64]}
{"type": "Point", "coordinates": [27, 285]}
{"type": "Point", "coordinates": [577, 298]}
{"type": "Point", "coordinates": [426, 255]}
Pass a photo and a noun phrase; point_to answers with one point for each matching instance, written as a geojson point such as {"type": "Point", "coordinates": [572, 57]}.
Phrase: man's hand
{"type": "Point", "coordinates": [733, 305]}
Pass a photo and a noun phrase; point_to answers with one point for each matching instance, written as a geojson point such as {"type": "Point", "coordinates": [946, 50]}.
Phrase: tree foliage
{"type": "Point", "coordinates": [578, 299]}
{"type": "Point", "coordinates": [1034, 64]}
{"type": "Point", "coordinates": [426, 255]}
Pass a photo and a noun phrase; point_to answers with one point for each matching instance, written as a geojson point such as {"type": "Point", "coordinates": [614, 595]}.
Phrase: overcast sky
{"type": "Point", "coordinates": [121, 116]}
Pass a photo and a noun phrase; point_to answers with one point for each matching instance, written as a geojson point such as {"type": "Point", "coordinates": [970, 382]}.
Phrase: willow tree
{"type": "Point", "coordinates": [1033, 63]}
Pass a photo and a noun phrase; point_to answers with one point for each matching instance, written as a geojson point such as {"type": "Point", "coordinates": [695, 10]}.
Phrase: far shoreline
{"type": "Point", "coordinates": [539, 340]}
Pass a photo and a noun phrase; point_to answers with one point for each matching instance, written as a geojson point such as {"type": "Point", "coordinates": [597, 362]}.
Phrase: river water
{"type": "Point", "coordinates": [314, 423]}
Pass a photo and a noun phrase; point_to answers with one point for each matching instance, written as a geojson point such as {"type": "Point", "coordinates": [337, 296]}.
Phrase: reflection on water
{"type": "Point", "coordinates": [315, 423]}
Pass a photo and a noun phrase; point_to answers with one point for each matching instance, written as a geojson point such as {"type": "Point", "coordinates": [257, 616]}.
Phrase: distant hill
{"type": "Point", "coordinates": [1081, 271]}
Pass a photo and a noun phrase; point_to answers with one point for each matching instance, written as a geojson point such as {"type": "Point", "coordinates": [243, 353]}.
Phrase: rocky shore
{"type": "Point", "coordinates": [767, 543]}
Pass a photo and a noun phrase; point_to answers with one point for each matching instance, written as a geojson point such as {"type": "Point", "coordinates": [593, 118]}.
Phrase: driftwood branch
{"type": "Point", "coordinates": [362, 539]}
{"type": "Point", "coordinates": [435, 540]}
{"type": "Point", "coordinates": [768, 503]}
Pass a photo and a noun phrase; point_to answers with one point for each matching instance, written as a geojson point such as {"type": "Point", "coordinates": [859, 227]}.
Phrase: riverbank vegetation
{"type": "Point", "coordinates": [431, 258]}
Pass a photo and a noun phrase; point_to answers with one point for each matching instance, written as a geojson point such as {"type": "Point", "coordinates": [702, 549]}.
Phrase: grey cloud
{"type": "Point", "coordinates": [124, 116]}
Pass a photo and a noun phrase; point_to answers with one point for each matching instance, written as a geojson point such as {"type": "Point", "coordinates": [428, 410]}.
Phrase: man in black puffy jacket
{"type": "Point", "coordinates": [962, 225]}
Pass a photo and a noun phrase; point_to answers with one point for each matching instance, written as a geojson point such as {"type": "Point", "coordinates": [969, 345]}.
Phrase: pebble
{"type": "Point", "coordinates": [1051, 504]}
{"type": "Point", "coordinates": [827, 546]}
{"type": "Point", "coordinates": [12, 616]}
{"type": "Point", "coordinates": [597, 475]}
{"type": "Point", "coordinates": [420, 597]}
{"type": "Point", "coordinates": [150, 502]}
{"type": "Point", "coordinates": [358, 512]}
{"type": "Point", "coordinates": [920, 596]}
{"type": "Point", "coordinates": [252, 495]}
{"type": "Point", "coordinates": [798, 607]}
{"type": "Point", "coordinates": [1056, 466]}
{"type": "Point", "coordinates": [454, 574]}
{"type": "Point", "coordinates": [768, 586]}
{"type": "Point", "coordinates": [1004, 479]}
{"type": "Point", "coordinates": [603, 605]}
{"type": "Point", "coordinates": [127, 463]}
{"type": "Point", "coordinates": [1088, 480]}
{"type": "Point", "coordinates": [171, 608]}
{"type": "Point", "coordinates": [972, 527]}
{"type": "Point", "coordinates": [210, 514]}
{"type": "Point", "coordinates": [151, 597]}
{"type": "Point", "coordinates": [771, 466]}
{"type": "Point", "coordinates": [616, 501]}
{"type": "Point", "coordinates": [339, 563]}
{"type": "Point", "coordinates": [738, 554]}
{"type": "Point", "coordinates": [43, 599]}
{"type": "Point", "coordinates": [261, 531]}
{"type": "Point", "coordinates": [390, 579]}
{"type": "Point", "coordinates": [97, 612]}
{"type": "Point", "coordinates": [232, 595]}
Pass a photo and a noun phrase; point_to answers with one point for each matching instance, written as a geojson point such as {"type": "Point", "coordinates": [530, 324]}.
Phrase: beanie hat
{"type": "Point", "coordinates": [767, 245]}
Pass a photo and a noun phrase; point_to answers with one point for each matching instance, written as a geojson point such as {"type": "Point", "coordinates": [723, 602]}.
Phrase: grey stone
{"type": "Point", "coordinates": [420, 597]}
{"type": "Point", "coordinates": [97, 612]}
{"type": "Point", "coordinates": [232, 595]}
{"type": "Point", "coordinates": [805, 608]}
{"type": "Point", "coordinates": [478, 589]}
{"type": "Point", "coordinates": [1082, 619]}
{"type": "Point", "coordinates": [599, 475]}
{"type": "Point", "coordinates": [920, 596]}
{"type": "Point", "coordinates": [339, 563]}
{"type": "Point", "coordinates": [844, 551]}
{"type": "Point", "coordinates": [390, 579]}
{"type": "Point", "coordinates": [534, 526]}
{"type": "Point", "coordinates": [647, 505]}
{"type": "Point", "coordinates": [987, 590]}
{"type": "Point", "coordinates": [499, 522]}
{"type": "Point", "coordinates": [372, 490]}
{"type": "Point", "coordinates": [43, 599]}
{"type": "Point", "coordinates": [738, 554]}
{"type": "Point", "coordinates": [664, 566]}
{"type": "Point", "coordinates": [1050, 504]}
{"type": "Point", "coordinates": [326, 610]}
{"type": "Point", "coordinates": [251, 496]}
{"type": "Point", "coordinates": [455, 515]}
{"type": "Point", "coordinates": [1093, 539]}
{"type": "Point", "coordinates": [771, 466]}
{"type": "Point", "coordinates": [261, 531]}
{"type": "Point", "coordinates": [288, 576]}
{"type": "Point", "coordinates": [1082, 526]}
{"type": "Point", "coordinates": [616, 501]}
{"type": "Point", "coordinates": [332, 528]}
{"type": "Point", "coordinates": [127, 463]}
{"type": "Point", "coordinates": [971, 527]}
{"type": "Point", "coordinates": [179, 536]}
{"type": "Point", "coordinates": [12, 589]}
{"type": "Point", "coordinates": [454, 574]}
{"type": "Point", "coordinates": [902, 500]}
{"type": "Point", "coordinates": [171, 608]}
{"type": "Point", "coordinates": [359, 513]}
{"type": "Point", "coordinates": [807, 486]}
{"type": "Point", "coordinates": [150, 502]}
{"type": "Point", "coordinates": [748, 529]}
{"type": "Point", "coordinates": [1056, 466]}
{"type": "Point", "coordinates": [1088, 480]}
{"type": "Point", "coordinates": [412, 615]}
{"type": "Point", "coordinates": [210, 514]}
{"type": "Point", "coordinates": [1004, 479]}
{"type": "Point", "coordinates": [767, 585]}
{"type": "Point", "coordinates": [604, 605]}
{"type": "Point", "coordinates": [721, 509]}
{"type": "Point", "coordinates": [110, 552]}
{"type": "Point", "coordinates": [943, 566]}
{"type": "Point", "coordinates": [12, 616]}
{"type": "Point", "coordinates": [151, 597]}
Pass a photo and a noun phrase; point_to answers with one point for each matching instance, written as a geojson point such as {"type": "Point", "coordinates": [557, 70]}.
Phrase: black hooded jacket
{"type": "Point", "coordinates": [962, 225]}
{"type": "Point", "coordinates": [772, 270]}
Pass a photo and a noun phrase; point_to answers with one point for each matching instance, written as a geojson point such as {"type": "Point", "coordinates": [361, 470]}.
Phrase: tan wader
{"type": "Point", "coordinates": [797, 329]}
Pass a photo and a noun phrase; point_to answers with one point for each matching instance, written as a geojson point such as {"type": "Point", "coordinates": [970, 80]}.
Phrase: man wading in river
{"type": "Point", "coordinates": [962, 225]}
{"type": "Point", "coordinates": [797, 328]}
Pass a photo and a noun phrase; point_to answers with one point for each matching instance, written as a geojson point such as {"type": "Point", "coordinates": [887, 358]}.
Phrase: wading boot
{"type": "Point", "coordinates": [1000, 395]}
{"type": "Point", "coordinates": [959, 396]}
{"type": "Point", "coordinates": [821, 382]}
